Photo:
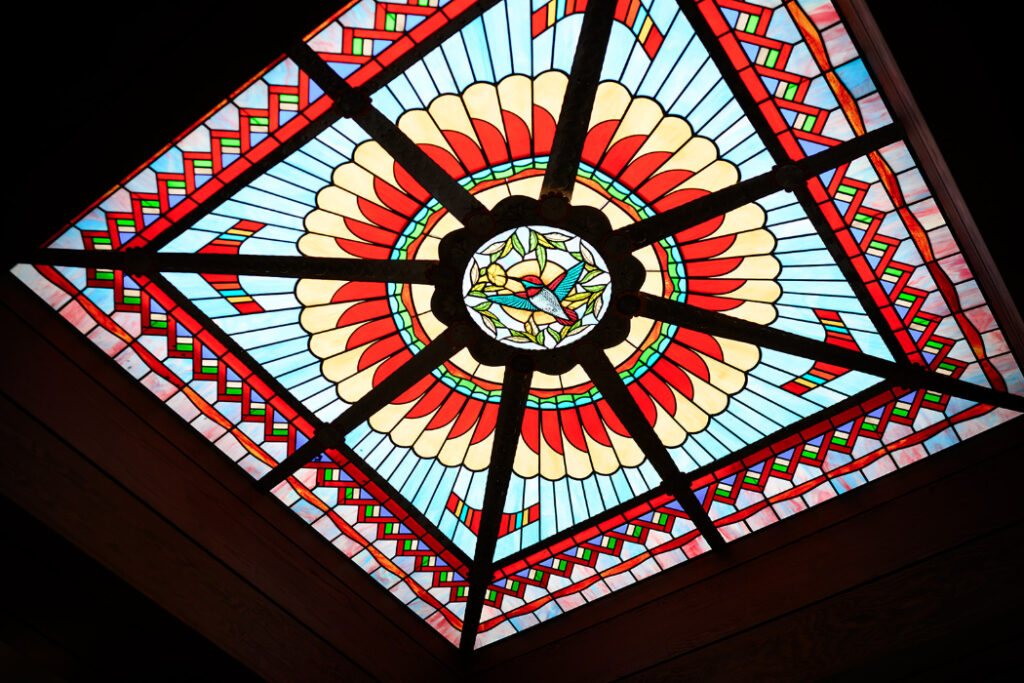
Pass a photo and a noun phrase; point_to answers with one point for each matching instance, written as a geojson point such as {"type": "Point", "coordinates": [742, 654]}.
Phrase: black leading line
{"type": "Point", "coordinates": [608, 381]}
{"type": "Point", "coordinates": [574, 119]}
{"type": "Point", "coordinates": [787, 176]}
{"type": "Point", "coordinates": [297, 52]}
{"type": "Point", "coordinates": [515, 390]}
{"type": "Point", "coordinates": [357, 105]}
{"type": "Point", "coordinates": [431, 357]}
{"type": "Point", "coordinates": [903, 373]}
{"type": "Point", "coordinates": [685, 478]}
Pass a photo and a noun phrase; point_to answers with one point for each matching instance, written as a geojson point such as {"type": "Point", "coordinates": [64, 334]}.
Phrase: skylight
{"type": "Point", "coordinates": [517, 303]}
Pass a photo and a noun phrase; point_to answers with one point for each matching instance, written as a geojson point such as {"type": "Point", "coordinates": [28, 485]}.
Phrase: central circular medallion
{"type": "Point", "coordinates": [536, 287]}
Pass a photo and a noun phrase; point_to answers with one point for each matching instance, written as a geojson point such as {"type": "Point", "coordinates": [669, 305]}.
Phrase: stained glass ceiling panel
{"type": "Point", "coordinates": [517, 303]}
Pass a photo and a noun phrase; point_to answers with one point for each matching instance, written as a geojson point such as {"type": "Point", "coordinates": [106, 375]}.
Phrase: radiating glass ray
{"type": "Point", "coordinates": [656, 143]}
{"type": "Point", "coordinates": [708, 396]}
{"type": "Point", "coordinates": [340, 195]}
{"type": "Point", "coordinates": [574, 460]}
{"type": "Point", "coordinates": [765, 263]}
{"type": "Point", "coordinates": [485, 103]}
{"type": "Point", "coordinates": [433, 444]}
{"type": "Point", "coordinates": [328, 342]}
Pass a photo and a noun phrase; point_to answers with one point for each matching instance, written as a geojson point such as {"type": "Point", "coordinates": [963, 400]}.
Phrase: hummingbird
{"type": "Point", "coordinates": [544, 297]}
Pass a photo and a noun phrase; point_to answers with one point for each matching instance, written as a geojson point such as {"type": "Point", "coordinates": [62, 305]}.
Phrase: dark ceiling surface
{"type": "Point", "coordinates": [95, 89]}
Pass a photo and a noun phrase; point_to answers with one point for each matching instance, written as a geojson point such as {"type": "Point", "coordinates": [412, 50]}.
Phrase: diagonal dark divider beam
{"type": "Point", "coordinates": [315, 127]}
{"type": "Point", "coordinates": [760, 123]}
{"type": "Point", "coordinates": [514, 390]}
{"type": "Point", "coordinates": [133, 261]}
{"type": "Point", "coordinates": [419, 366]}
{"type": "Point", "coordinates": [662, 225]}
{"type": "Point", "coordinates": [845, 264]}
{"type": "Point", "coordinates": [602, 373]}
{"type": "Point", "coordinates": [301, 455]}
{"type": "Point", "coordinates": [229, 342]}
{"type": "Point", "coordinates": [658, 227]}
{"type": "Point", "coordinates": [574, 119]}
{"type": "Point", "coordinates": [355, 103]}
{"type": "Point", "coordinates": [903, 374]}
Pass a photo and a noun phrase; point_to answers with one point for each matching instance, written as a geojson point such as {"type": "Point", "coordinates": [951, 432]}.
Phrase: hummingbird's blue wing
{"type": "Point", "coordinates": [512, 302]}
{"type": "Point", "coordinates": [568, 281]}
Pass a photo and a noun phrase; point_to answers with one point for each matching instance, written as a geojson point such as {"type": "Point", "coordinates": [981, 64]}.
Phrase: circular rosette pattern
{"type": "Point", "coordinates": [637, 161]}
{"type": "Point", "coordinates": [536, 287]}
